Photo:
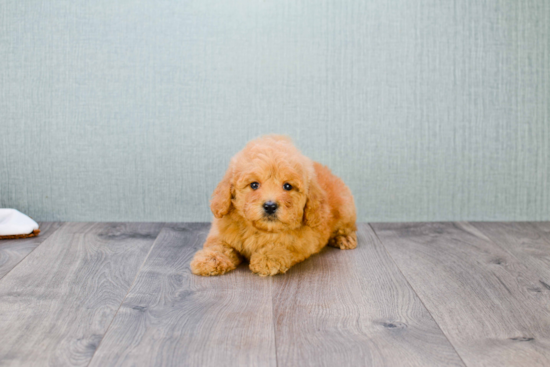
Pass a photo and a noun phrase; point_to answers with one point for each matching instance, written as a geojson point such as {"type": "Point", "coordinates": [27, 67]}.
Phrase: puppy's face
{"type": "Point", "coordinates": [270, 195]}
{"type": "Point", "coordinates": [269, 184]}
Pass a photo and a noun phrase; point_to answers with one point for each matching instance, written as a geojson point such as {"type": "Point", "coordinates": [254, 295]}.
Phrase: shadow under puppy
{"type": "Point", "coordinates": [275, 207]}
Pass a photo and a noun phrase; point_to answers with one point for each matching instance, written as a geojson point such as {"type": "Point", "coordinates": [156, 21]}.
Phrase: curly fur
{"type": "Point", "coordinates": [318, 210]}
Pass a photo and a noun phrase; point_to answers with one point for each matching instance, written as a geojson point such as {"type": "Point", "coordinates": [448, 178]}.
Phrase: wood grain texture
{"type": "Point", "coordinates": [354, 308]}
{"type": "Point", "coordinates": [56, 305]}
{"type": "Point", "coordinates": [488, 303]}
{"type": "Point", "coordinates": [174, 318]}
{"type": "Point", "coordinates": [13, 251]}
{"type": "Point", "coordinates": [528, 242]}
{"type": "Point", "coordinates": [543, 227]}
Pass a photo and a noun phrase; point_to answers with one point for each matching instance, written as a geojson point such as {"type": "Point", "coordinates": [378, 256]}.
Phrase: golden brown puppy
{"type": "Point", "coordinates": [275, 207]}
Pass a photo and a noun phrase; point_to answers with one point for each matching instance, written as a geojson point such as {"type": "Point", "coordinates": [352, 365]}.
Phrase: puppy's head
{"type": "Point", "coordinates": [272, 186]}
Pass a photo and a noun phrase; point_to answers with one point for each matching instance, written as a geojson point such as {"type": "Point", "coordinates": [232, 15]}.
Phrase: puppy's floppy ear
{"type": "Point", "coordinates": [316, 210]}
{"type": "Point", "coordinates": [221, 197]}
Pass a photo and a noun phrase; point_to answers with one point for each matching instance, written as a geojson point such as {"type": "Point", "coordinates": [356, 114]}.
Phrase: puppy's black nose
{"type": "Point", "coordinates": [270, 207]}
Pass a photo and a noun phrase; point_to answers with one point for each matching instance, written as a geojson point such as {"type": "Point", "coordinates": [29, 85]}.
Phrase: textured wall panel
{"type": "Point", "coordinates": [130, 110]}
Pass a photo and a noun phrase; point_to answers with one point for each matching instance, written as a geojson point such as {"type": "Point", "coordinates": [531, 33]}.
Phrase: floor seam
{"type": "Point", "coordinates": [417, 295]}
{"type": "Point", "coordinates": [126, 295]}
{"type": "Point", "coordinates": [492, 240]}
{"type": "Point", "coordinates": [40, 244]}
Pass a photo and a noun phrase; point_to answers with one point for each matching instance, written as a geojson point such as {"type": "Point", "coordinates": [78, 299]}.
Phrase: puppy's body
{"type": "Point", "coordinates": [317, 210]}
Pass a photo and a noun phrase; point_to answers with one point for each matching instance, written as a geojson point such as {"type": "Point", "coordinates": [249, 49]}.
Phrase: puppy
{"type": "Point", "coordinates": [275, 207]}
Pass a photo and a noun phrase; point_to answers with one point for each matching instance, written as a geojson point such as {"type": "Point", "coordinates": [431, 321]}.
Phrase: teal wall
{"type": "Point", "coordinates": [130, 110]}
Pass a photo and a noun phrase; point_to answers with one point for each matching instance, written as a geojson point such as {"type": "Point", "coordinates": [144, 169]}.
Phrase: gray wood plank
{"type": "Point", "coordinates": [483, 298]}
{"type": "Point", "coordinates": [56, 305]}
{"type": "Point", "coordinates": [354, 308]}
{"type": "Point", "coordinates": [528, 242]}
{"type": "Point", "coordinates": [543, 227]}
{"type": "Point", "coordinates": [13, 251]}
{"type": "Point", "coordinates": [174, 318]}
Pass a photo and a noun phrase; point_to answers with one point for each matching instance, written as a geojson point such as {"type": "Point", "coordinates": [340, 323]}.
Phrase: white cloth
{"type": "Point", "coordinates": [13, 222]}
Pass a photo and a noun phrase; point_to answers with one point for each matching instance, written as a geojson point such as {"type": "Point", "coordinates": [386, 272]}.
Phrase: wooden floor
{"type": "Point", "coordinates": [411, 294]}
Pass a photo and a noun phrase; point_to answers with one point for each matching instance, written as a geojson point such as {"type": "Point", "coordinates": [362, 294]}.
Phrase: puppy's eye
{"type": "Point", "coordinates": [287, 186]}
{"type": "Point", "coordinates": [254, 185]}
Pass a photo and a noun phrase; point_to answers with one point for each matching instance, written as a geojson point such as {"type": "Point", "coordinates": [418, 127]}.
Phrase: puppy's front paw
{"type": "Point", "coordinates": [264, 265]}
{"type": "Point", "coordinates": [344, 242]}
{"type": "Point", "coordinates": [207, 262]}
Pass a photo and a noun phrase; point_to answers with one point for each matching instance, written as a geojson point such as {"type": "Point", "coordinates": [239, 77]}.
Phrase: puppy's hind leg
{"type": "Point", "coordinates": [344, 239]}
{"type": "Point", "coordinates": [216, 258]}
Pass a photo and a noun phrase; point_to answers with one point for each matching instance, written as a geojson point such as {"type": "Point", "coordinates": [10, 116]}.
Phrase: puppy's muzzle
{"type": "Point", "coordinates": [270, 207]}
